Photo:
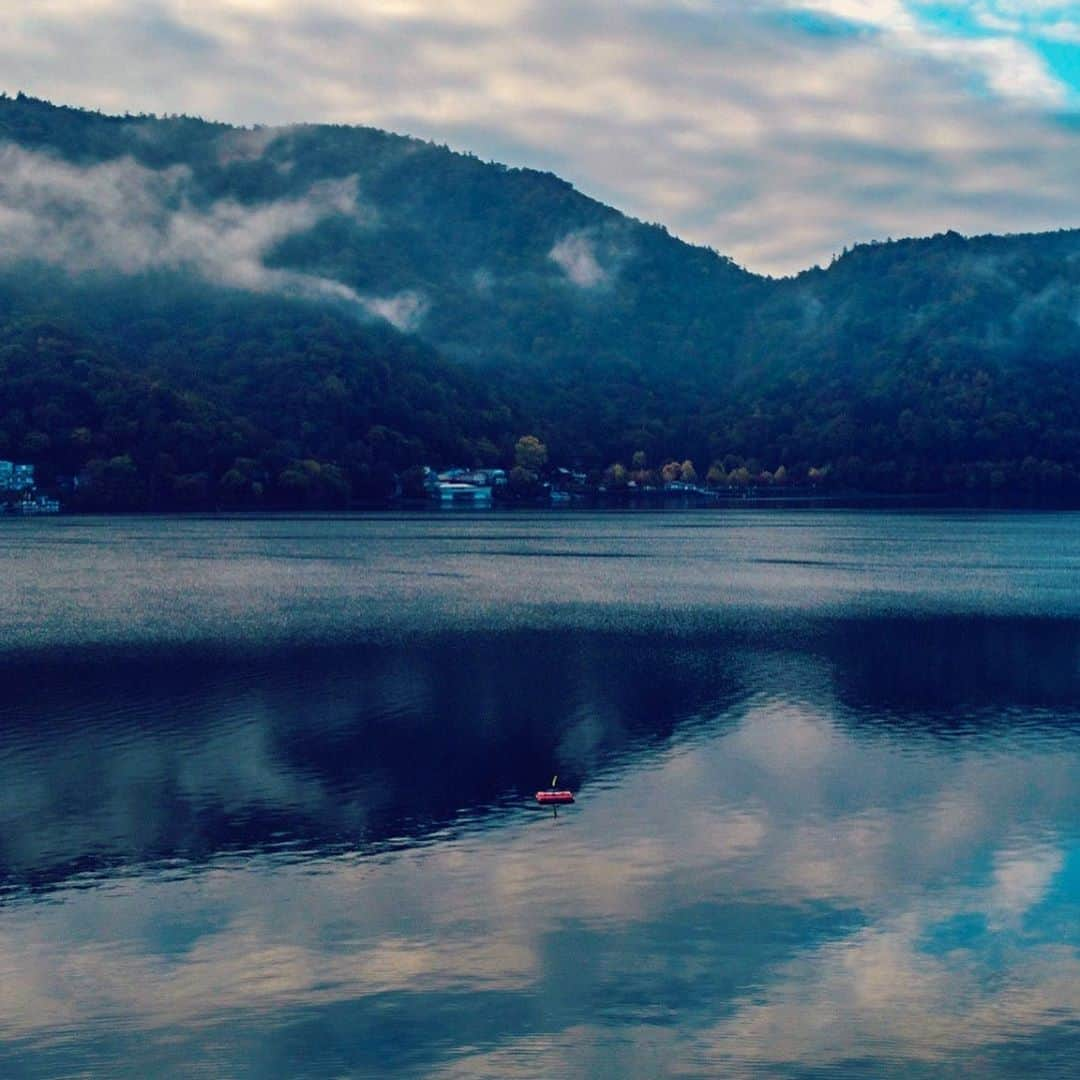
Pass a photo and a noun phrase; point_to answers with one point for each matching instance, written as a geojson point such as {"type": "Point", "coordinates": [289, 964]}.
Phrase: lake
{"type": "Point", "coordinates": [266, 795]}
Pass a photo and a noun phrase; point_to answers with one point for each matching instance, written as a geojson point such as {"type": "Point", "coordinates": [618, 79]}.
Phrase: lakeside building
{"type": "Point", "coordinates": [473, 494]}
{"type": "Point", "coordinates": [472, 477]}
{"type": "Point", "coordinates": [18, 491]}
{"type": "Point", "coordinates": [16, 477]}
{"type": "Point", "coordinates": [36, 504]}
{"type": "Point", "coordinates": [463, 487]}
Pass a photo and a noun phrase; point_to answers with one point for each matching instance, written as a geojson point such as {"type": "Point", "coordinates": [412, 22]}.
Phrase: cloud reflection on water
{"type": "Point", "coordinates": [850, 844]}
{"type": "Point", "coordinates": [768, 839]}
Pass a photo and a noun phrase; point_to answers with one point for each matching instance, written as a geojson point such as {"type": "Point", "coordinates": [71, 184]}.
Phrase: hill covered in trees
{"type": "Point", "coordinates": [198, 315]}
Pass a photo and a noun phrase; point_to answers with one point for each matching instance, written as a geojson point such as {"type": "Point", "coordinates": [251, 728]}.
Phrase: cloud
{"type": "Point", "coordinates": [878, 996]}
{"type": "Point", "coordinates": [125, 217]}
{"type": "Point", "coordinates": [405, 310]}
{"type": "Point", "coordinates": [741, 126]}
{"type": "Point", "coordinates": [575, 255]}
{"type": "Point", "coordinates": [1021, 880]}
{"type": "Point", "coordinates": [1035, 19]}
{"type": "Point", "coordinates": [779, 828]}
{"type": "Point", "coordinates": [985, 37]}
{"type": "Point", "coordinates": [246, 144]}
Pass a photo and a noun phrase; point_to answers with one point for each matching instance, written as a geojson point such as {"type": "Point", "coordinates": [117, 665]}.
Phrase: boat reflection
{"type": "Point", "coordinates": [792, 856]}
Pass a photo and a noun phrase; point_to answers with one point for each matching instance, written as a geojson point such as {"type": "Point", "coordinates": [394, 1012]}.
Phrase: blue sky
{"type": "Point", "coordinates": [1050, 31]}
{"type": "Point", "coordinates": [777, 131]}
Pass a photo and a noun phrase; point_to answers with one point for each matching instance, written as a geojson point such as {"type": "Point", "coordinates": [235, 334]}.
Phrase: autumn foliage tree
{"type": "Point", "coordinates": [530, 453]}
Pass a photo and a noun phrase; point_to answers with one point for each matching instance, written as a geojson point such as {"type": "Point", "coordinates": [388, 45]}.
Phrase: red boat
{"type": "Point", "coordinates": [546, 798]}
{"type": "Point", "coordinates": [554, 797]}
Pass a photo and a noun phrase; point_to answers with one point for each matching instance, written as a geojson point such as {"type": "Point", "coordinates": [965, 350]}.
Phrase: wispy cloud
{"type": "Point", "coordinates": [124, 217]}
{"type": "Point", "coordinates": [590, 257]}
{"type": "Point", "coordinates": [777, 131]}
{"type": "Point", "coordinates": [913, 849]}
{"type": "Point", "coordinates": [574, 255]}
{"type": "Point", "coordinates": [995, 40]}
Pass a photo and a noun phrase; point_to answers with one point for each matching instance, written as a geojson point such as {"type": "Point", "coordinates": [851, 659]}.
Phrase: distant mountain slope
{"type": "Point", "coordinates": [945, 363]}
{"type": "Point", "coordinates": [231, 263]}
{"type": "Point", "coordinates": [160, 393]}
{"type": "Point", "coordinates": [496, 264]}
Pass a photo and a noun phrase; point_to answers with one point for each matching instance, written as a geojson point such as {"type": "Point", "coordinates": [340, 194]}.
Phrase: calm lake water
{"type": "Point", "coordinates": [266, 796]}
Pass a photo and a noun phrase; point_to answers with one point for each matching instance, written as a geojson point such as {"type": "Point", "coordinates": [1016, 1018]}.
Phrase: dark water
{"type": "Point", "coordinates": [265, 796]}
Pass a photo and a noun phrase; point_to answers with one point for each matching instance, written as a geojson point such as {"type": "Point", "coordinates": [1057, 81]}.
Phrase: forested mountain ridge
{"type": "Point", "coordinates": [162, 393]}
{"type": "Point", "coordinates": [290, 316]}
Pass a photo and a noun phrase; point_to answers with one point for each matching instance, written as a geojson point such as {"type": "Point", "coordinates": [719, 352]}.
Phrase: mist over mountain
{"type": "Point", "coordinates": [198, 315]}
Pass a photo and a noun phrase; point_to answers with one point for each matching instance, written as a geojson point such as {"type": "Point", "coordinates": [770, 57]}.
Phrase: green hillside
{"type": "Point", "coordinates": [198, 315]}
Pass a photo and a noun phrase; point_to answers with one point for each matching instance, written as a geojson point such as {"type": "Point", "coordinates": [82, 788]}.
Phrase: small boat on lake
{"type": "Point", "coordinates": [547, 798]}
{"type": "Point", "coordinates": [554, 797]}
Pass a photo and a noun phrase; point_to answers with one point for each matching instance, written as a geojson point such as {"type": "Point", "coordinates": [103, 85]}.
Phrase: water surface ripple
{"type": "Point", "coordinates": [265, 795]}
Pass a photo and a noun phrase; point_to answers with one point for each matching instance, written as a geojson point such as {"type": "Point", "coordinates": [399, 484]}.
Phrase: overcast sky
{"type": "Point", "coordinates": [776, 131]}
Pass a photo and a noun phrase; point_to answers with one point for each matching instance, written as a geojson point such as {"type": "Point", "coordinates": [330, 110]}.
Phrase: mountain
{"type": "Point", "coordinates": [196, 314]}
